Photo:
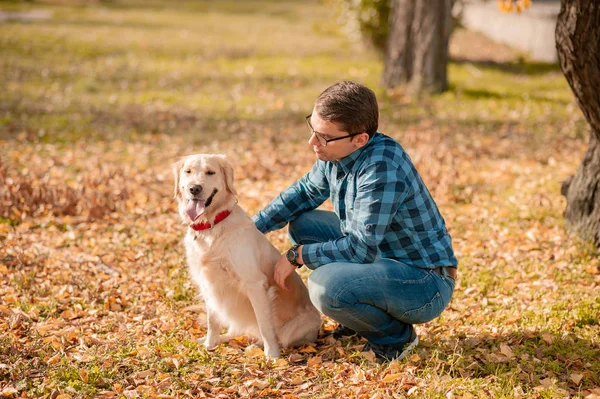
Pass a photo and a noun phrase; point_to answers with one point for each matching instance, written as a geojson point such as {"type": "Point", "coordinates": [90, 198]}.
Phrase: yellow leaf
{"type": "Point", "coordinates": [84, 375]}
{"type": "Point", "coordinates": [315, 360]}
{"type": "Point", "coordinates": [9, 392]}
{"type": "Point", "coordinates": [143, 352]}
{"type": "Point", "coordinates": [296, 380]}
{"type": "Point", "coordinates": [281, 363]}
{"type": "Point", "coordinates": [392, 377]}
{"type": "Point", "coordinates": [415, 358]}
{"type": "Point", "coordinates": [54, 359]}
{"type": "Point", "coordinates": [506, 351]}
{"type": "Point", "coordinates": [308, 349]}
{"type": "Point", "coordinates": [68, 314]}
{"type": "Point", "coordinates": [254, 352]}
{"type": "Point", "coordinates": [548, 338]}
{"type": "Point", "coordinates": [576, 378]}
{"type": "Point", "coordinates": [260, 384]}
{"type": "Point", "coordinates": [64, 396]}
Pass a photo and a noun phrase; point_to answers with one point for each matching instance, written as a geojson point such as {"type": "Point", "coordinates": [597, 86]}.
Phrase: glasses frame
{"type": "Point", "coordinates": [320, 137]}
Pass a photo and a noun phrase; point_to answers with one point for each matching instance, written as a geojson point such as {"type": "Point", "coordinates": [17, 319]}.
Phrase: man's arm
{"type": "Point", "coordinates": [304, 195]}
{"type": "Point", "coordinates": [380, 191]}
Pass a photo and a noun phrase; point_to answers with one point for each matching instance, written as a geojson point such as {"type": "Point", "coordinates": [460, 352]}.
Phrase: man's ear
{"type": "Point", "coordinates": [360, 140]}
{"type": "Point", "coordinates": [176, 172]}
{"type": "Point", "coordinates": [227, 173]}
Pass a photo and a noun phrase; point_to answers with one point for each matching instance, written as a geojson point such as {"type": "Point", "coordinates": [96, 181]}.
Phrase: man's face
{"type": "Point", "coordinates": [334, 150]}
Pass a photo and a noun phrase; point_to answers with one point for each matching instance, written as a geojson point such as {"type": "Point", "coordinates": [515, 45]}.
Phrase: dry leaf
{"type": "Point", "coordinates": [296, 357]}
{"type": "Point", "coordinates": [260, 384]}
{"type": "Point", "coordinates": [548, 338]}
{"type": "Point", "coordinates": [308, 349]}
{"type": "Point", "coordinates": [143, 352]}
{"type": "Point", "coordinates": [297, 380]}
{"type": "Point", "coordinates": [370, 356]}
{"type": "Point", "coordinates": [84, 375]}
{"type": "Point", "coordinates": [415, 358]}
{"type": "Point", "coordinates": [506, 351]}
{"type": "Point", "coordinates": [313, 361]}
{"type": "Point", "coordinates": [576, 378]}
{"type": "Point", "coordinates": [254, 352]}
{"type": "Point", "coordinates": [392, 377]}
{"type": "Point", "coordinates": [9, 392]}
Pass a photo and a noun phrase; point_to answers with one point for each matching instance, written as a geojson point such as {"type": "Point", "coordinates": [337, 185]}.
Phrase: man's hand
{"type": "Point", "coordinates": [283, 269]}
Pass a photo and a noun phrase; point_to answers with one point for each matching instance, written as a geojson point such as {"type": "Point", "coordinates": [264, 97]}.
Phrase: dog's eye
{"type": "Point", "coordinates": [188, 171]}
{"type": "Point", "coordinates": [210, 172]}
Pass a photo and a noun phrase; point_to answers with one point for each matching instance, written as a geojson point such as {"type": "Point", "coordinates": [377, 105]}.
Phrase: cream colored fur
{"type": "Point", "coordinates": [232, 263]}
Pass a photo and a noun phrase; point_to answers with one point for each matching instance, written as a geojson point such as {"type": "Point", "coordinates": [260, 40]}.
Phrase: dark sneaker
{"type": "Point", "coordinates": [340, 331]}
{"type": "Point", "coordinates": [393, 352]}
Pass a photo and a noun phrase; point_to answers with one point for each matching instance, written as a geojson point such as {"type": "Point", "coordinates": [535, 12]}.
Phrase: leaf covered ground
{"type": "Point", "coordinates": [100, 98]}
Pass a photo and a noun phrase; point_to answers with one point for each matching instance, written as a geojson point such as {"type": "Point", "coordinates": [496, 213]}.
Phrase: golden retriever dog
{"type": "Point", "coordinates": [232, 263]}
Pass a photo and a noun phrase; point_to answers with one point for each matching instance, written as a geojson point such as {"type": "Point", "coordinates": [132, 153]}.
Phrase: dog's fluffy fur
{"type": "Point", "coordinates": [232, 263]}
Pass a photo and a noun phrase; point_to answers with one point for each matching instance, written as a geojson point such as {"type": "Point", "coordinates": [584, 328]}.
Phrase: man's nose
{"type": "Point", "coordinates": [195, 189]}
{"type": "Point", "coordinates": [313, 140]}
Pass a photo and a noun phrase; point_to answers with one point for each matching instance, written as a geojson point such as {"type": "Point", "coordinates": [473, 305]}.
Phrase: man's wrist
{"type": "Point", "coordinates": [299, 249]}
{"type": "Point", "coordinates": [294, 256]}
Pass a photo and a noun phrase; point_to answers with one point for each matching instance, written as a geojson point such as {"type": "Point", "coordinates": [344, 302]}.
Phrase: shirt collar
{"type": "Point", "coordinates": [348, 161]}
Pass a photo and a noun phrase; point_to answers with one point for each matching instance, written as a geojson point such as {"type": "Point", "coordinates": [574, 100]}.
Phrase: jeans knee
{"type": "Point", "coordinates": [324, 290]}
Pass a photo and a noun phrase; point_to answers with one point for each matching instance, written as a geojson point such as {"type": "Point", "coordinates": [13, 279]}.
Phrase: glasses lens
{"type": "Point", "coordinates": [321, 139]}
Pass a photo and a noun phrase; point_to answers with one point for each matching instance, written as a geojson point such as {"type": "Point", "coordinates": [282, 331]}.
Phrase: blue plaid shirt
{"type": "Point", "coordinates": [384, 208]}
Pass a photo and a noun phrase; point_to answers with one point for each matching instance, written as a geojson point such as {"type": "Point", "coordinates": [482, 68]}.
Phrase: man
{"type": "Point", "coordinates": [384, 260]}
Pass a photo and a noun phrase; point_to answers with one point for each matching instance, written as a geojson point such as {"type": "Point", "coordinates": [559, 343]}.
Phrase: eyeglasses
{"type": "Point", "coordinates": [320, 138]}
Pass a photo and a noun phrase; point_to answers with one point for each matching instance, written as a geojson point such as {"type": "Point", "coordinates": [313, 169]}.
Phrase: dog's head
{"type": "Point", "coordinates": [203, 186]}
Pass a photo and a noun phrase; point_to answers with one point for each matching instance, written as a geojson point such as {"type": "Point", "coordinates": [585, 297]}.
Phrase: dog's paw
{"type": "Point", "coordinates": [272, 352]}
{"type": "Point", "coordinates": [209, 344]}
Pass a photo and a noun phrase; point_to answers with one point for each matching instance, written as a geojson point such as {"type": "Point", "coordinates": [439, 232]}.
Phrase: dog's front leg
{"type": "Point", "coordinates": [257, 293]}
{"type": "Point", "coordinates": [213, 330]}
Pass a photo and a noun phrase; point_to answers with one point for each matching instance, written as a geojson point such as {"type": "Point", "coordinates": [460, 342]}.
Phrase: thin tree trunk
{"type": "Point", "coordinates": [399, 51]}
{"type": "Point", "coordinates": [578, 46]}
{"type": "Point", "coordinates": [417, 50]}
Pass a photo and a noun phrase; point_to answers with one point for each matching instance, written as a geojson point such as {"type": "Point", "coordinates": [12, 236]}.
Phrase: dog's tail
{"type": "Point", "coordinates": [302, 329]}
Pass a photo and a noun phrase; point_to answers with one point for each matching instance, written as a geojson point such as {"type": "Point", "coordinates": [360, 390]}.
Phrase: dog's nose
{"type": "Point", "coordinates": [195, 189]}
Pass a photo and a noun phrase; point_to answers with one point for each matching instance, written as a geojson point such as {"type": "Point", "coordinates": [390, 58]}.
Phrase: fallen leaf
{"type": "Point", "coordinates": [415, 358]}
{"type": "Point", "coordinates": [296, 357]}
{"type": "Point", "coordinates": [548, 338]}
{"type": "Point", "coordinates": [370, 356]}
{"type": "Point", "coordinates": [84, 375]}
{"type": "Point", "coordinates": [313, 361]}
{"type": "Point", "coordinates": [392, 377]}
{"type": "Point", "coordinates": [297, 380]}
{"type": "Point", "coordinates": [9, 392]}
{"type": "Point", "coordinates": [506, 351]}
{"type": "Point", "coordinates": [576, 378]}
{"type": "Point", "coordinates": [254, 352]}
{"type": "Point", "coordinates": [260, 384]}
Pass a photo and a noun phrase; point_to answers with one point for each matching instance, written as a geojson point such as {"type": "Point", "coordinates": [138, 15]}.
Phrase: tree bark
{"type": "Point", "coordinates": [578, 46]}
{"type": "Point", "coordinates": [417, 49]}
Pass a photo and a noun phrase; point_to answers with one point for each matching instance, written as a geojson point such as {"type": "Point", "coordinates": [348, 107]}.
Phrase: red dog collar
{"type": "Point", "coordinates": [205, 225]}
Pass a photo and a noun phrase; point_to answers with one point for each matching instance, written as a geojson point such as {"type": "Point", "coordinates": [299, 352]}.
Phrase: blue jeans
{"type": "Point", "coordinates": [380, 301]}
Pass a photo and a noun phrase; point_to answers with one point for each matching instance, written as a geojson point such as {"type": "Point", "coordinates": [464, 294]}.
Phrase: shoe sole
{"type": "Point", "coordinates": [408, 349]}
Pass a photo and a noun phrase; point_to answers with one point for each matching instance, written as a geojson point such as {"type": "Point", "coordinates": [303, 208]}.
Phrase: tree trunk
{"type": "Point", "coordinates": [578, 46]}
{"type": "Point", "coordinates": [417, 49]}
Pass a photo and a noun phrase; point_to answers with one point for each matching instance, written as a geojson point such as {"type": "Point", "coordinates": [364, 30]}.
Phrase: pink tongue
{"type": "Point", "coordinates": [195, 209]}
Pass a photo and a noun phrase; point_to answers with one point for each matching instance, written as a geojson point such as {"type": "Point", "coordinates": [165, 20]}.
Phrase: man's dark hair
{"type": "Point", "coordinates": [351, 105]}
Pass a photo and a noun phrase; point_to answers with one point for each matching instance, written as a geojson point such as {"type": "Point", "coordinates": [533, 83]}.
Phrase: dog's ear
{"type": "Point", "coordinates": [176, 172]}
{"type": "Point", "coordinates": [228, 173]}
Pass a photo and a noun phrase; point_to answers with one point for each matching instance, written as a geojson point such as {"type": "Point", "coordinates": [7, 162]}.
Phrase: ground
{"type": "Point", "coordinates": [98, 102]}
